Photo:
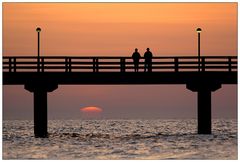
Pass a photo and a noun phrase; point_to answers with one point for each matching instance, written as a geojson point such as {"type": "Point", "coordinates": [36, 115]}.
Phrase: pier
{"type": "Point", "coordinates": [42, 75]}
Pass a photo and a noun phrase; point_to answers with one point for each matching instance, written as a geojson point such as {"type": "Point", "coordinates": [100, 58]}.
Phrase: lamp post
{"type": "Point", "coordinates": [198, 30]}
{"type": "Point", "coordinates": [38, 59]}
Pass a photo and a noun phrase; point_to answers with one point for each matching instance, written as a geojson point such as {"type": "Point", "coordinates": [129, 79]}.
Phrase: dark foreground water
{"type": "Point", "coordinates": [120, 139]}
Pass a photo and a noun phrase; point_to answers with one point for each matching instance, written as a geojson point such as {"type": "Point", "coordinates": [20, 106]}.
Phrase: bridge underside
{"type": "Point", "coordinates": [61, 78]}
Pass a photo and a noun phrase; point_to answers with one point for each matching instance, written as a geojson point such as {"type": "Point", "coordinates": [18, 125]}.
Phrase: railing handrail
{"type": "Point", "coordinates": [69, 63]}
{"type": "Point", "coordinates": [118, 57]}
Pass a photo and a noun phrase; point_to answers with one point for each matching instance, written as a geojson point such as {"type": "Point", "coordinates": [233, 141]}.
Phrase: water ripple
{"type": "Point", "coordinates": [120, 139]}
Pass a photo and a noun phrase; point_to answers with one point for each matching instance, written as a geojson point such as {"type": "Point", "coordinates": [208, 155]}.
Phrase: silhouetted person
{"type": "Point", "coordinates": [136, 56]}
{"type": "Point", "coordinates": [148, 60]}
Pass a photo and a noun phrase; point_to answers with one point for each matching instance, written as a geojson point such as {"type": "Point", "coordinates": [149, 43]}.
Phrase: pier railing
{"type": "Point", "coordinates": [117, 64]}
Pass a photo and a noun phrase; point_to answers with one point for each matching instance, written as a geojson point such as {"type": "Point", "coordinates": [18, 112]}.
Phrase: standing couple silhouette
{"type": "Point", "coordinates": [148, 60]}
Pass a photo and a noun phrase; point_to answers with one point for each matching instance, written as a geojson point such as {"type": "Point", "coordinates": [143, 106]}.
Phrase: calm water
{"type": "Point", "coordinates": [120, 139]}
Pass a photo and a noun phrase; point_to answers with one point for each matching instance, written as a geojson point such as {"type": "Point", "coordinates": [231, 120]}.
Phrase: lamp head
{"type": "Point", "coordinates": [38, 29]}
{"type": "Point", "coordinates": [198, 30]}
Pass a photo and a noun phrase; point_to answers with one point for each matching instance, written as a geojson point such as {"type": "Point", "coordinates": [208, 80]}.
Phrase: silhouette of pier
{"type": "Point", "coordinates": [42, 75]}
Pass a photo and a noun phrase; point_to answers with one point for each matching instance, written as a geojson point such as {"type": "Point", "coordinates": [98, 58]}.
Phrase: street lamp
{"type": "Point", "coordinates": [198, 30]}
{"type": "Point", "coordinates": [38, 59]}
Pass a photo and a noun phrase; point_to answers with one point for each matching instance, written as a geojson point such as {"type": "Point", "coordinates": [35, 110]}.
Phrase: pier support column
{"type": "Point", "coordinates": [204, 90]}
{"type": "Point", "coordinates": [40, 106]}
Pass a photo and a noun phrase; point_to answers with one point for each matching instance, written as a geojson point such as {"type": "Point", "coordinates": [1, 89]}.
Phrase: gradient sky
{"type": "Point", "coordinates": [116, 29]}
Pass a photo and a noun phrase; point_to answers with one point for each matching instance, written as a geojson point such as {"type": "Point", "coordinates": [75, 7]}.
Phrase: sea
{"type": "Point", "coordinates": [123, 139]}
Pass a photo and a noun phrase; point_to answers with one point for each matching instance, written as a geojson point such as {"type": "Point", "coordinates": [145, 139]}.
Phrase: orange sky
{"type": "Point", "coordinates": [117, 28]}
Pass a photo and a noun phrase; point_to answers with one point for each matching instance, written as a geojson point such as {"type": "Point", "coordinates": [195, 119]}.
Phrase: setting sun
{"type": "Point", "coordinates": [92, 109]}
{"type": "Point", "coordinates": [91, 112]}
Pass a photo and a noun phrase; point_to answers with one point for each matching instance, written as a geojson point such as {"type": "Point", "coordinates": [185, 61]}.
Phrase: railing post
{"type": "Point", "coordinates": [122, 64]}
{"type": "Point", "coordinates": [203, 64]}
{"type": "Point", "coordinates": [69, 65]}
{"type": "Point", "coordinates": [94, 65]}
{"type": "Point", "coordinates": [38, 64]}
{"type": "Point", "coordinates": [15, 62]}
{"type": "Point", "coordinates": [229, 64]}
{"type": "Point", "coordinates": [198, 64]}
{"type": "Point", "coordinates": [176, 64]}
{"type": "Point", "coordinates": [42, 64]}
{"type": "Point", "coordinates": [10, 65]}
{"type": "Point", "coordinates": [66, 64]}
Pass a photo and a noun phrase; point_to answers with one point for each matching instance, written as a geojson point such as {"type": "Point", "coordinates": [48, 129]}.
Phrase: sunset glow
{"type": "Point", "coordinates": [114, 29]}
{"type": "Point", "coordinates": [91, 109]}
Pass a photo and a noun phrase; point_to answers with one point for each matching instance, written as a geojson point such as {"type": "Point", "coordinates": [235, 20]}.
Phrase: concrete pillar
{"type": "Point", "coordinates": [204, 112]}
{"type": "Point", "coordinates": [40, 113]}
{"type": "Point", "coordinates": [204, 90]}
{"type": "Point", "coordinates": [40, 106]}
